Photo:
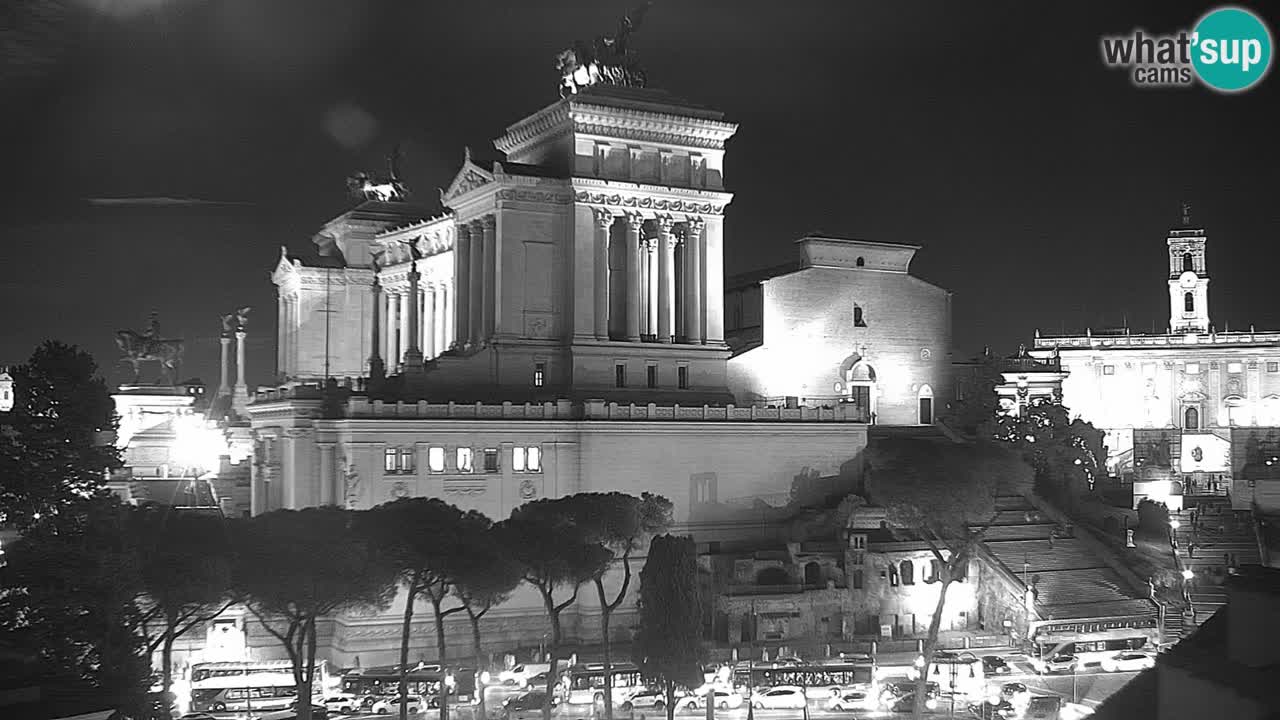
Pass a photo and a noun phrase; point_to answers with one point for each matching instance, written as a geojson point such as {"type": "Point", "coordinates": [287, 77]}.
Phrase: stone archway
{"type": "Point", "coordinates": [859, 378]}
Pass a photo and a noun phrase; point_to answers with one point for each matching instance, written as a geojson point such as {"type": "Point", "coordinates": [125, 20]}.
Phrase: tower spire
{"type": "Point", "coordinates": [1186, 214]}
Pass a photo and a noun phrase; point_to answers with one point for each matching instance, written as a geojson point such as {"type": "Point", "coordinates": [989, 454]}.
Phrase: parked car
{"type": "Point", "coordinates": [724, 700]}
{"type": "Point", "coordinates": [522, 675]}
{"type": "Point", "coordinates": [1129, 661]}
{"type": "Point", "coordinates": [1063, 662]}
{"type": "Point", "coordinates": [895, 691]}
{"type": "Point", "coordinates": [1044, 707]}
{"type": "Point", "coordinates": [527, 705]}
{"type": "Point", "coordinates": [649, 698]}
{"type": "Point", "coordinates": [198, 716]}
{"type": "Point", "coordinates": [391, 705]}
{"type": "Point", "coordinates": [342, 703]}
{"type": "Point", "coordinates": [782, 697]}
{"type": "Point", "coordinates": [1000, 709]}
{"type": "Point", "coordinates": [995, 665]}
{"type": "Point", "coordinates": [1016, 693]}
{"type": "Point", "coordinates": [849, 700]}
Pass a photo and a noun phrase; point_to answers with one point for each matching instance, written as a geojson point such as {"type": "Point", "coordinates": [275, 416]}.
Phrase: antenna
{"type": "Point", "coordinates": [1186, 214]}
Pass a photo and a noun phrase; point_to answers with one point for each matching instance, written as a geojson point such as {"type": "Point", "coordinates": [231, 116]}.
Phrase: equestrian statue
{"type": "Point", "coordinates": [137, 348]}
{"type": "Point", "coordinates": [607, 60]}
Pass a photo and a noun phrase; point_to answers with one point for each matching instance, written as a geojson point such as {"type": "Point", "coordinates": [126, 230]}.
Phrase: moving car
{"type": "Point", "coordinates": [895, 691]}
{"type": "Point", "coordinates": [1130, 661]}
{"type": "Point", "coordinates": [1058, 663]}
{"type": "Point", "coordinates": [907, 703]}
{"type": "Point", "coordinates": [782, 697]}
{"type": "Point", "coordinates": [342, 703]}
{"type": "Point", "coordinates": [724, 700]}
{"type": "Point", "coordinates": [1044, 707]}
{"type": "Point", "coordinates": [318, 712]}
{"type": "Point", "coordinates": [528, 705]}
{"type": "Point", "coordinates": [390, 705]}
{"type": "Point", "coordinates": [995, 665]}
{"type": "Point", "coordinates": [647, 699]}
{"type": "Point", "coordinates": [849, 700]}
{"type": "Point", "coordinates": [523, 675]}
{"type": "Point", "coordinates": [999, 709]}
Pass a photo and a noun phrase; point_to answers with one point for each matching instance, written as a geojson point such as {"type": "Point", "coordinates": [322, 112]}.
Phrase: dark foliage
{"type": "Point", "coordinates": [1153, 520]}
{"type": "Point", "coordinates": [668, 647]}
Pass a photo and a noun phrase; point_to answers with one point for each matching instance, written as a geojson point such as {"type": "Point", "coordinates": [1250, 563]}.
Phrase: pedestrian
{"type": "Point", "coordinates": [1191, 550]}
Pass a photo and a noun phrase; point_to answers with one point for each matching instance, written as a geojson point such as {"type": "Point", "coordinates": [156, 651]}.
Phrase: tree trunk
{"type": "Point", "coordinates": [475, 649]}
{"type": "Point", "coordinates": [671, 700]}
{"type": "Point", "coordinates": [309, 676]}
{"type": "Point", "coordinates": [552, 678]}
{"type": "Point", "coordinates": [166, 660]}
{"type": "Point", "coordinates": [404, 647]}
{"type": "Point", "coordinates": [605, 612]}
{"type": "Point", "coordinates": [711, 702]}
{"type": "Point", "coordinates": [444, 671]}
{"type": "Point", "coordinates": [931, 643]}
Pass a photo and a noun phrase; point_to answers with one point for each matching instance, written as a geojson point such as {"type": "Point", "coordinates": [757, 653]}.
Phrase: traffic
{"type": "Point", "coordinates": [1009, 687]}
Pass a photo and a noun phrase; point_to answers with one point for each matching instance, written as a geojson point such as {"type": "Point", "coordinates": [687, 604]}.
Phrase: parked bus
{"type": "Point", "coordinates": [424, 680]}
{"type": "Point", "coordinates": [248, 687]}
{"type": "Point", "coordinates": [585, 683]}
{"type": "Point", "coordinates": [1090, 644]}
{"type": "Point", "coordinates": [820, 680]}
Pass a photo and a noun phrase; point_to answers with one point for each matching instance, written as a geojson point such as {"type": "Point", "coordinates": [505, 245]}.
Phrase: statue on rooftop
{"type": "Point", "coordinates": [363, 186]}
{"type": "Point", "coordinates": [607, 60]}
{"type": "Point", "coordinates": [137, 348]}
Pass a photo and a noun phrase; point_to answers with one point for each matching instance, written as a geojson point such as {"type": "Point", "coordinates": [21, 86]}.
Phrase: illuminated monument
{"type": "Point", "coordinates": [559, 327]}
{"type": "Point", "coordinates": [1192, 411]}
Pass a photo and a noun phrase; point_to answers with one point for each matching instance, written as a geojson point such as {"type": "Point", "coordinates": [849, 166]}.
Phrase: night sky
{"type": "Point", "coordinates": [1039, 182]}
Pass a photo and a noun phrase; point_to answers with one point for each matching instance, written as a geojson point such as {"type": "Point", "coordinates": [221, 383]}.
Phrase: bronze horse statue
{"type": "Point", "coordinates": [138, 348]}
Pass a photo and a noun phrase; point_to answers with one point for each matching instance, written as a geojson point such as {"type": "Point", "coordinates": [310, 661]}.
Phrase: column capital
{"type": "Point", "coordinates": [665, 223]}
{"type": "Point", "coordinates": [694, 224]}
{"type": "Point", "coordinates": [604, 218]}
{"type": "Point", "coordinates": [462, 231]}
{"type": "Point", "coordinates": [240, 334]}
{"type": "Point", "coordinates": [634, 221]}
{"type": "Point", "coordinates": [488, 222]}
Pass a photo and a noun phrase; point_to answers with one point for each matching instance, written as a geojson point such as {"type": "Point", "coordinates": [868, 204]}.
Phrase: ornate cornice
{"type": "Point", "coordinates": [536, 196]}
{"type": "Point", "coordinates": [532, 129]}
{"type": "Point", "coordinates": [650, 126]}
{"type": "Point", "coordinates": [628, 201]}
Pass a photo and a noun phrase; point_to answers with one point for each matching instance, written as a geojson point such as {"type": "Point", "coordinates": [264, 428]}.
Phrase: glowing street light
{"type": "Point", "coordinates": [1175, 523]}
{"type": "Point", "coordinates": [1187, 574]}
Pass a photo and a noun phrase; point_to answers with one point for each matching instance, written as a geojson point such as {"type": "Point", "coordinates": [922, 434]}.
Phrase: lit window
{"type": "Point", "coordinates": [539, 374]}
{"type": "Point", "coordinates": [389, 460]}
{"type": "Point", "coordinates": [1108, 369]}
{"type": "Point", "coordinates": [1193, 368]}
{"type": "Point", "coordinates": [406, 460]}
{"type": "Point", "coordinates": [1189, 303]}
{"type": "Point", "coordinates": [620, 375]}
{"type": "Point", "coordinates": [490, 460]}
{"type": "Point", "coordinates": [1273, 367]}
{"type": "Point", "coordinates": [651, 376]}
{"type": "Point", "coordinates": [1235, 367]}
{"type": "Point", "coordinates": [526, 459]}
{"type": "Point", "coordinates": [464, 459]}
{"type": "Point", "coordinates": [435, 459]}
{"type": "Point", "coordinates": [682, 377]}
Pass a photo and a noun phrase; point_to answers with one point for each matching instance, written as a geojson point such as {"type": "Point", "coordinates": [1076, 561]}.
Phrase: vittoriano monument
{"type": "Point", "coordinates": [136, 348]}
{"type": "Point", "coordinates": [606, 60]}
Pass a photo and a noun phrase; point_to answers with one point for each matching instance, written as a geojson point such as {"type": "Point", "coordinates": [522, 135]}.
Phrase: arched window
{"type": "Point", "coordinates": [860, 262]}
{"type": "Point", "coordinates": [1189, 302]}
{"type": "Point", "coordinates": [908, 571]}
{"type": "Point", "coordinates": [1188, 263]}
{"type": "Point", "coordinates": [1192, 419]}
{"type": "Point", "coordinates": [893, 575]}
{"type": "Point", "coordinates": [812, 574]}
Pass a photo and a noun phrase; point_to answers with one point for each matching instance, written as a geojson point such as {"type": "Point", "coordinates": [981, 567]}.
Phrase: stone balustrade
{"type": "Point", "coordinates": [1235, 338]}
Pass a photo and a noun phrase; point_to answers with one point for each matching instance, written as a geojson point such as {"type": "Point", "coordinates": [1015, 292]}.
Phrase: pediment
{"type": "Point", "coordinates": [470, 176]}
{"type": "Point", "coordinates": [285, 268]}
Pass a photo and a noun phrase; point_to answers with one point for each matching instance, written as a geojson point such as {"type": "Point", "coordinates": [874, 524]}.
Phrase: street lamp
{"type": "Point", "coordinates": [1175, 523]}
{"type": "Point", "coordinates": [1188, 574]}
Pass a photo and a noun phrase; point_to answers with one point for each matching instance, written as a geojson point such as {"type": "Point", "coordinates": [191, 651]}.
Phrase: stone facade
{"type": "Point", "coordinates": [847, 324]}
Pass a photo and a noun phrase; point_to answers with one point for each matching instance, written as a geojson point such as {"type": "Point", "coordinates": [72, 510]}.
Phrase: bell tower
{"type": "Point", "coordinates": [1188, 278]}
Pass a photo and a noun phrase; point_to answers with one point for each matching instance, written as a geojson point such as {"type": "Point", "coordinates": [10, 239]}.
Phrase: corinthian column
{"type": "Point", "coordinates": [376, 369]}
{"type": "Point", "coordinates": [604, 221]}
{"type": "Point", "coordinates": [475, 301]}
{"type": "Point", "coordinates": [633, 277]}
{"type": "Point", "coordinates": [224, 385]}
{"type": "Point", "coordinates": [429, 306]}
{"type": "Point", "coordinates": [413, 321]}
{"type": "Point", "coordinates": [462, 283]}
{"type": "Point", "coordinates": [651, 300]}
{"type": "Point", "coordinates": [490, 273]}
{"type": "Point", "coordinates": [666, 252]}
{"type": "Point", "coordinates": [240, 398]}
{"type": "Point", "coordinates": [402, 316]}
{"type": "Point", "coordinates": [693, 281]}
{"type": "Point", "coordinates": [446, 317]}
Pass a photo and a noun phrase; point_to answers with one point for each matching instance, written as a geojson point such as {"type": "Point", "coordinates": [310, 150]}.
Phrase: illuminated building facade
{"type": "Point", "coordinates": [1190, 411]}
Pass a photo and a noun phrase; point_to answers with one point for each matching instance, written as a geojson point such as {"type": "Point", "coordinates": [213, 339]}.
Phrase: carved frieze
{"type": "Point", "coordinates": [464, 486]}
{"type": "Point", "coordinates": [649, 203]}
{"type": "Point", "coordinates": [299, 433]}
{"type": "Point", "coordinates": [537, 196]}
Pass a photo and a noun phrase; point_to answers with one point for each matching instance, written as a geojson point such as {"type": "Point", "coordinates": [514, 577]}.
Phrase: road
{"type": "Point", "coordinates": [1087, 688]}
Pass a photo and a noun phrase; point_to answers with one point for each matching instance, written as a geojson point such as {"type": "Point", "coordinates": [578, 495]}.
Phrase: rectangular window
{"type": "Point", "coordinates": [857, 579]}
{"type": "Point", "coordinates": [526, 459]}
{"type": "Point", "coordinates": [682, 377]}
{"type": "Point", "coordinates": [539, 374]}
{"type": "Point", "coordinates": [651, 376]}
{"type": "Point", "coordinates": [464, 459]}
{"type": "Point", "coordinates": [1235, 367]}
{"type": "Point", "coordinates": [490, 460]}
{"type": "Point", "coordinates": [389, 460]}
{"type": "Point", "coordinates": [517, 459]}
{"type": "Point", "coordinates": [435, 459]}
{"type": "Point", "coordinates": [534, 458]}
{"type": "Point", "coordinates": [1193, 368]}
{"type": "Point", "coordinates": [1108, 369]}
{"type": "Point", "coordinates": [620, 375]}
{"type": "Point", "coordinates": [406, 460]}
{"type": "Point", "coordinates": [1273, 367]}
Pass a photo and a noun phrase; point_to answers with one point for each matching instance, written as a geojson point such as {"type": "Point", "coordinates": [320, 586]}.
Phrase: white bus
{"type": "Point", "coordinates": [585, 683]}
{"type": "Point", "coordinates": [250, 687]}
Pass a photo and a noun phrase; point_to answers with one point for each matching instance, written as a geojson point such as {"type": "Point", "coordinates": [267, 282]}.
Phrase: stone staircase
{"type": "Point", "coordinates": [1218, 540]}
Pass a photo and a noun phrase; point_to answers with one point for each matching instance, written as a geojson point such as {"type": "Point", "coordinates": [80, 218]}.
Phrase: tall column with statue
{"type": "Point", "coordinates": [377, 370]}
{"type": "Point", "coordinates": [240, 397]}
{"type": "Point", "coordinates": [666, 280]}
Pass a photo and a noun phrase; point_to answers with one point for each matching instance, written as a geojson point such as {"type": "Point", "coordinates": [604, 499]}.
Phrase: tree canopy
{"type": "Point", "coordinates": [1068, 456]}
{"type": "Point", "coordinates": [55, 444]}
{"type": "Point", "coordinates": [668, 647]}
{"type": "Point", "coordinates": [974, 415]}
